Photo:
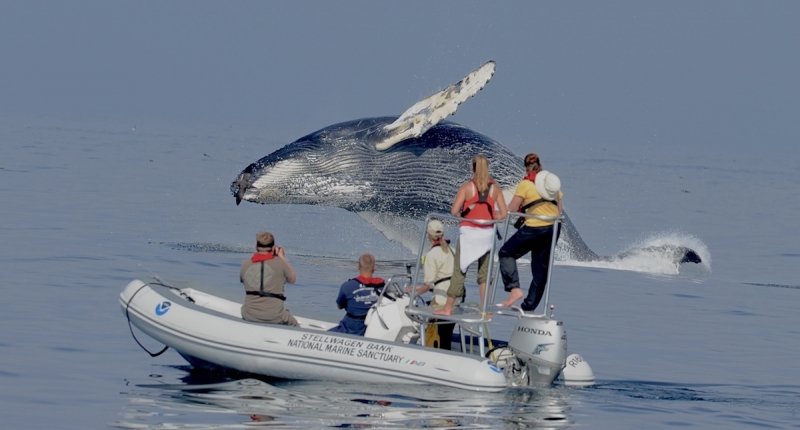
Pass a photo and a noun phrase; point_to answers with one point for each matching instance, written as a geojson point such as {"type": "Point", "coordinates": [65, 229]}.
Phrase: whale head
{"type": "Point", "coordinates": [302, 172]}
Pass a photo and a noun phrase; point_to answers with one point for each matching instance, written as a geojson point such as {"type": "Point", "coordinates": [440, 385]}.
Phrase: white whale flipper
{"type": "Point", "coordinates": [428, 112]}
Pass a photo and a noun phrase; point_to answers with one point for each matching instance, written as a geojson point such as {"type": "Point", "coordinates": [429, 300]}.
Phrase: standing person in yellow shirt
{"type": "Point", "coordinates": [539, 193]}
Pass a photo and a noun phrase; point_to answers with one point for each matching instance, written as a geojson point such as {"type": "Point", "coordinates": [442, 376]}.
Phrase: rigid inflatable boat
{"type": "Point", "coordinates": [208, 330]}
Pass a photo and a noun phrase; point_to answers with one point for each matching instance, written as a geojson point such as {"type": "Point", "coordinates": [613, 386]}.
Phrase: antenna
{"type": "Point", "coordinates": [156, 277]}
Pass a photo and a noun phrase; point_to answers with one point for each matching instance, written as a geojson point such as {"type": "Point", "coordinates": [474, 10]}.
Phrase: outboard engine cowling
{"type": "Point", "coordinates": [540, 346]}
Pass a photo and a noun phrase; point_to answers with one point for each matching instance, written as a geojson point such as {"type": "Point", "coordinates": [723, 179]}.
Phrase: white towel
{"type": "Point", "coordinates": [473, 242]}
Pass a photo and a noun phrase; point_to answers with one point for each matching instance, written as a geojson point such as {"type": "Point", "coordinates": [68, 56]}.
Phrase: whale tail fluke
{"type": "Point", "coordinates": [664, 253]}
{"type": "Point", "coordinates": [426, 113]}
{"type": "Point", "coordinates": [690, 256]}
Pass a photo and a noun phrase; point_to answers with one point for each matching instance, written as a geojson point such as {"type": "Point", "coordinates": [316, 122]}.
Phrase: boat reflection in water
{"type": "Point", "coordinates": [301, 404]}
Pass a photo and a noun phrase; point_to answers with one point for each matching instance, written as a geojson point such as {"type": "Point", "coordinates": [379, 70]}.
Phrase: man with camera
{"type": "Point", "coordinates": [264, 276]}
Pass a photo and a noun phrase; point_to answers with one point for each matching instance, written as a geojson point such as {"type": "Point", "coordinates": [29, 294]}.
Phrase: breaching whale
{"type": "Point", "coordinates": [391, 170]}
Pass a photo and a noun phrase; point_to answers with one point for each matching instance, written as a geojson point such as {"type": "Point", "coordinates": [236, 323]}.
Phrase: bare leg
{"type": "Point", "coordinates": [448, 307]}
{"type": "Point", "coordinates": [482, 291]}
{"type": "Point", "coordinates": [516, 294]}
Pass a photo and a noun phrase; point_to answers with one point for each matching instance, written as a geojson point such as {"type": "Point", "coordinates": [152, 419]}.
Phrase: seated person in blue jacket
{"type": "Point", "coordinates": [357, 295]}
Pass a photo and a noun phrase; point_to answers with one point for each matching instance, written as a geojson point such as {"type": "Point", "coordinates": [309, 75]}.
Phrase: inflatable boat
{"type": "Point", "coordinates": [208, 330]}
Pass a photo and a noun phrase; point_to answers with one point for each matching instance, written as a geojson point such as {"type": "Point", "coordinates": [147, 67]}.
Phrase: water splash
{"type": "Point", "coordinates": [659, 253]}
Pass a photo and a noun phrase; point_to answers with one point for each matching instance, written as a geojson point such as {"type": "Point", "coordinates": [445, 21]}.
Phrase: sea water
{"type": "Point", "coordinates": [88, 206]}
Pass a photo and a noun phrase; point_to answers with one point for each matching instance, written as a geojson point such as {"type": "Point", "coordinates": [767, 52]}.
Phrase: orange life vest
{"type": "Point", "coordinates": [479, 207]}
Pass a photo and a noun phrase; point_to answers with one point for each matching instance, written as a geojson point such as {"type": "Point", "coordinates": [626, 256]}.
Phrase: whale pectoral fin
{"type": "Point", "coordinates": [395, 228]}
{"type": "Point", "coordinates": [428, 112]}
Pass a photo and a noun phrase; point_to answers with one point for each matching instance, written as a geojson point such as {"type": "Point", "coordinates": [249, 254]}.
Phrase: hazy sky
{"type": "Point", "coordinates": [676, 73]}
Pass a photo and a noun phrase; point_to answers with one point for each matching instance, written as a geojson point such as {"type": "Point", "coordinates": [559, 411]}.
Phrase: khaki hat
{"type": "Point", "coordinates": [548, 185]}
{"type": "Point", "coordinates": [435, 228]}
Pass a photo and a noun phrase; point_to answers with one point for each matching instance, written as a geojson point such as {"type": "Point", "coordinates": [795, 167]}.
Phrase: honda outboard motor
{"type": "Point", "coordinates": [540, 346]}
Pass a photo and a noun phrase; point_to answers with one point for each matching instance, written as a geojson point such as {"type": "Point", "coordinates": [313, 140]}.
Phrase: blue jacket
{"type": "Point", "coordinates": [356, 296]}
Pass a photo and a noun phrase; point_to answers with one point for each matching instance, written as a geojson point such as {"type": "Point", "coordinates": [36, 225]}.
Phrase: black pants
{"type": "Point", "coordinates": [537, 241]}
{"type": "Point", "coordinates": [445, 332]}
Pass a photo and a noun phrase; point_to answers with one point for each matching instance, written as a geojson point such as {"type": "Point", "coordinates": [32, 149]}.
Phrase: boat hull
{"type": "Point", "coordinates": [305, 353]}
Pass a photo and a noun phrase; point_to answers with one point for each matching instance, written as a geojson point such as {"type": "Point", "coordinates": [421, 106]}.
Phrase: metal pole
{"type": "Point", "coordinates": [419, 259]}
{"type": "Point", "coordinates": [550, 264]}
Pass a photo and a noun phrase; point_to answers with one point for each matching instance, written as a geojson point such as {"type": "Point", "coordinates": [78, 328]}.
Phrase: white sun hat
{"type": "Point", "coordinates": [548, 185]}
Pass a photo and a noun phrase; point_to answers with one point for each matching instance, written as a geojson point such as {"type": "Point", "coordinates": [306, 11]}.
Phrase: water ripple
{"type": "Point", "coordinates": [314, 405]}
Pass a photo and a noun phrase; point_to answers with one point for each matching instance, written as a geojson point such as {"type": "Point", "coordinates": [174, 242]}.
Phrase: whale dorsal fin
{"type": "Point", "coordinates": [428, 112]}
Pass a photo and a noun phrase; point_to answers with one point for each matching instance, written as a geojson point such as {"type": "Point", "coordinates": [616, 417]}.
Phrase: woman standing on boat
{"type": "Point", "coordinates": [539, 193]}
{"type": "Point", "coordinates": [478, 199]}
{"type": "Point", "coordinates": [264, 276]}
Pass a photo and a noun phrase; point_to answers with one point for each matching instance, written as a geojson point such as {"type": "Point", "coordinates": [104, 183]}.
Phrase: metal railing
{"type": "Point", "coordinates": [489, 292]}
{"type": "Point", "coordinates": [491, 280]}
{"type": "Point", "coordinates": [463, 320]}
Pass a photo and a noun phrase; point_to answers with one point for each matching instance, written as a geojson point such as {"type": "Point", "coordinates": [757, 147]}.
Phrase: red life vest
{"type": "Point", "coordinates": [438, 242]}
{"type": "Point", "coordinates": [370, 282]}
{"type": "Point", "coordinates": [480, 207]}
{"type": "Point", "coordinates": [257, 258]}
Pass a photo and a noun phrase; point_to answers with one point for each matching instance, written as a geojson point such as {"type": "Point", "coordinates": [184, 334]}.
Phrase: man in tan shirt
{"type": "Point", "coordinates": [264, 276]}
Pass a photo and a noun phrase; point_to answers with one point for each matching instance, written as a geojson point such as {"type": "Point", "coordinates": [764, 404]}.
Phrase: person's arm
{"type": "Point", "coordinates": [502, 210]}
{"type": "Point", "coordinates": [461, 196]}
{"type": "Point", "coordinates": [292, 276]}
{"type": "Point", "coordinates": [421, 289]}
{"type": "Point", "coordinates": [516, 201]}
{"type": "Point", "coordinates": [341, 299]}
{"type": "Point", "coordinates": [560, 206]}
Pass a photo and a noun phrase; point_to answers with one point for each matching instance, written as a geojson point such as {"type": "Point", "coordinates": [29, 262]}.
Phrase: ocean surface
{"type": "Point", "coordinates": [87, 206]}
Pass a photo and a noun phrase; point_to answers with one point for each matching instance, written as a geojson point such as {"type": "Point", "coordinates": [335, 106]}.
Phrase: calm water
{"type": "Point", "coordinates": [86, 207]}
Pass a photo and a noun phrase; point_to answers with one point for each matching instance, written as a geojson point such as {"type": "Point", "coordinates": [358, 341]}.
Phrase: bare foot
{"type": "Point", "coordinates": [445, 311]}
{"type": "Point", "coordinates": [515, 295]}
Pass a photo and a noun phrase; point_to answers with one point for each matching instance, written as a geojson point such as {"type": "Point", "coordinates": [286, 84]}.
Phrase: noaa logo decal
{"type": "Point", "coordinates": [162, 308]}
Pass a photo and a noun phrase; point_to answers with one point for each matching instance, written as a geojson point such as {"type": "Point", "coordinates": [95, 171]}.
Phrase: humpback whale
{"type": "Point", "coordinates": [394, 169]}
